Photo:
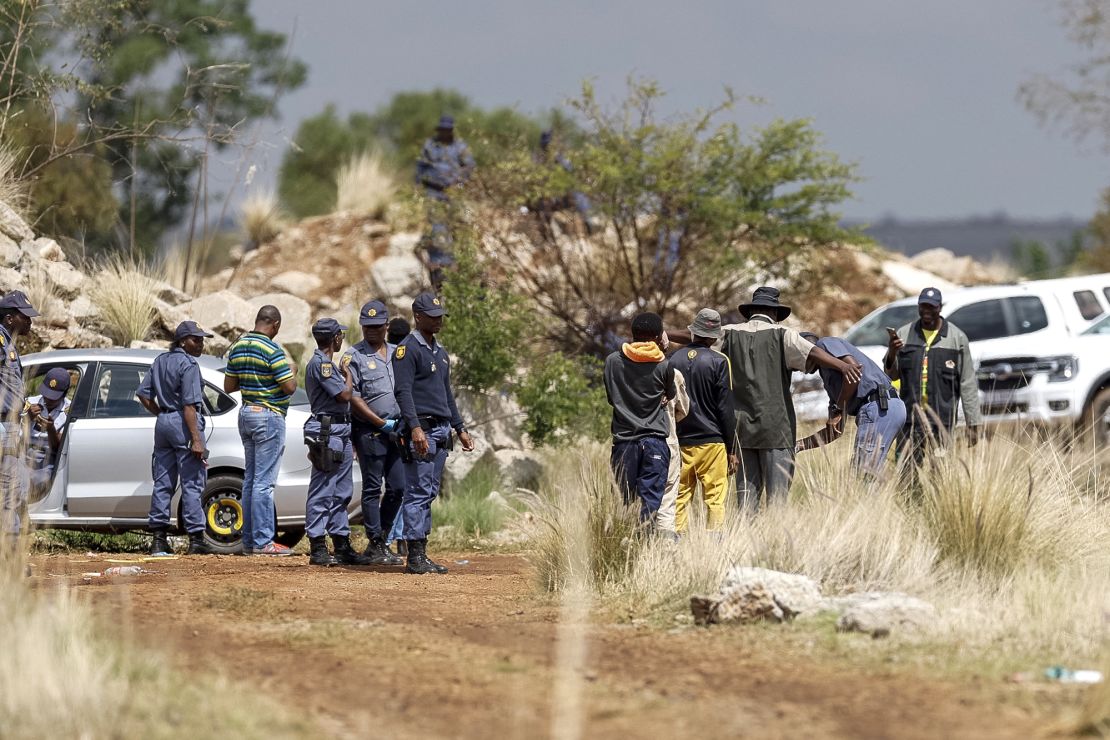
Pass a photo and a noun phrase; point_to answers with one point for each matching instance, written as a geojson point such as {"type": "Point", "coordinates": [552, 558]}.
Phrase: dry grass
{"type": "Point", "coordinates": [1009, 540]}
{"type": "Point", "coordinates": [14, 191]}
{"type": "Point", "coordinates": [365, 185]}
{"type": "Point", "coordinates": [262, 217]}
{"type": "Point", "coordinates": [63, 677]}
{"type": "Point", "coordinates": [40, 292]}
{"type": "Point", "coordinates": [124, 292]}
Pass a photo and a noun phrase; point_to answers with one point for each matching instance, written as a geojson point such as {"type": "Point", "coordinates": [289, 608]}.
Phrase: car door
{"type": "Point", "coordinates": [110, 447]}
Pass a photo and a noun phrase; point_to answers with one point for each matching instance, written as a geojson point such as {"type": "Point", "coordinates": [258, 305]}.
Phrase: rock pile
{"type": "Point", "coordinates": [757, 594]}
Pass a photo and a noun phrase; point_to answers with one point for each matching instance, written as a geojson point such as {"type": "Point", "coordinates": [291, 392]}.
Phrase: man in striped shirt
{"type": "Point", "coordinates": [258, 368]}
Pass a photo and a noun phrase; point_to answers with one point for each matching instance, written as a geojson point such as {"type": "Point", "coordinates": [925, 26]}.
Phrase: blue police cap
{"type": "Point", "coordinates": [189, 329]}
{"type": "Point", "coordinates": [446, 122]}
{"type": "Point", "coordinates": [17, 299]}
{"type": "Point", "coordinates": [55, 384]}
{"type": "Point", "coordinates": [429, 305]}
{"type": "Point", "coordinates": [327, 327]}
{"type": "Point", "coordinates": [930, 296]}
{"type": "Point", "coordinates": [374, 313]}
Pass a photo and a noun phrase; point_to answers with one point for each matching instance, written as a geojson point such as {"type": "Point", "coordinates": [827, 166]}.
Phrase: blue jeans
{"type": "Point", "coordinates": [641, 467]}
{"type": "Point", "coordinates": [876, 431]}
{"type": "Point", "coordinates": [263, 433]}
{"type": "Point", "coordinates": [422, 480]}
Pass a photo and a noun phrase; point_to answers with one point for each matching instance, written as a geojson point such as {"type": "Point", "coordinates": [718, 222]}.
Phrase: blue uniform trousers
{"type": "Point", "coordinates": [422, 480]}
{"type": "Point", "coordinates": [640, 467]}
{"type": "Point", "coordinates": [13, 489]}
{"type": "Point", "coordinates": [876, 431]}
{"type": "Point", "coordinates": [379, 459]}
{"type": "Point", "coordinates": [330, 493]}
{"type": "Point", "coordinates": [173, 461]}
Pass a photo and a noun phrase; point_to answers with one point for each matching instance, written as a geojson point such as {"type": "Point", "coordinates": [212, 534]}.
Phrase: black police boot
{"type": "Point", "coordinates": [418, 561]}
{"type": "Point", "coordinates": [435, 566]}
{"type": "Point", "coordinates": [379, 553]}
{"type": "Point", "coordinates": [344, 553]}
{"type": "Point", "coordinates": [318, 552]}
{"type": "Point", "coordinates": [160, 545]}
{"type": "Point", "coordinates": [197, 545]}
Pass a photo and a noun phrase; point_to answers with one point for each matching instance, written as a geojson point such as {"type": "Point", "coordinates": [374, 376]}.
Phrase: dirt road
{"type": "Point", "coordinates": [472, 654]}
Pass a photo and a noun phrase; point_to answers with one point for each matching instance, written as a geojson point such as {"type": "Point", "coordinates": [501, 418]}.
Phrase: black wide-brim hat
{"type": "Point", "coordinates": [765, 299]}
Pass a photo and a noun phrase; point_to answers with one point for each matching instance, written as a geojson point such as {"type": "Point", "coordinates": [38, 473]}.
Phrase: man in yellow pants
{"type": "Point", "coordinates": [706, 435]}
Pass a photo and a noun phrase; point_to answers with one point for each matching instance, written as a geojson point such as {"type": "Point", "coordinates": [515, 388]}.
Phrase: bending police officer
{"type": "Point", "coordinates": [375, 416]}
{"type": "Point", "coordinates": [16, 313]}
{"type": "Point", "coordinates": [423, 388]}
{"type": "Point", "coordinates": [172, 391]}
{"type": "Point", "coordinates": [328, 436]}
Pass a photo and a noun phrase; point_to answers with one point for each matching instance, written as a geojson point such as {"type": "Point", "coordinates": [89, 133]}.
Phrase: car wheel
{"type": "Point", "coordinates": [223, 513]}
{"type": "Point", "coordinates": [1096, 419]}
{"type": "Point", "coordinates": [290, 536]}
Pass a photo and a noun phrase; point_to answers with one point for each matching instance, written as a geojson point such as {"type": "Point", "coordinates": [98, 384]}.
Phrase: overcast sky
{"type": "Point", "coordinates": [920, 94]}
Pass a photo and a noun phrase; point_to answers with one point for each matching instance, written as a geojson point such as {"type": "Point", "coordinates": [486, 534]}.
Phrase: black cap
{"type": "Point", "coordinates": [189, 329]}
{"type": "Point", "coordinates": [429, 305]}
{"type": "Point", "coordinates": [373, 313]}
{"type": "Point", "coordinates": [327, 327]}
{"type": "Point", "coordinates": [446, 122]}
{"type": "Point", "coordinates": [930, 296]}
{"type": "Point", "coordinates": [17, 299]}
{"type": "Point", "coordinates": [55, 384]}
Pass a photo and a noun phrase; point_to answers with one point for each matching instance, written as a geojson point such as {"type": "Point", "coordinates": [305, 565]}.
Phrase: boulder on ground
{"type": "Point", "coordinates": [169, 293]}
{"type": "Point", "coordinates": [167, 317]}
{"type": "Point", "coordinates": [519, 469]}
{"type": "Point", "coordinates": [82, 308]}
{"type": "Point", "coordinates": [397, 276]}
{"type": "Point", "coordinates": [49, 250]}
{"type": "Point", "coordinates": [880, 613]}
{"type": "Point", "coordinates": [74, 337]}
{"type": "Point", "coordinates": [403, 244]}
{"type": "Point", "coordinates": [10, 253]}
{"type": "Point", "coordinates": [297, 283]}
{"type": "Point", "coordinates": [10, 279]}
{"type": "Point", "coordinates": [222, 312]}
{"type": "Point", "coordinates": [497, 416]}
{"type": "Point", "coordinates": [459, 463]}
{"type": "Point", "coordinates": [296, 321]}
{"type": "Point", "coordinates": [756, 604]}
{"type": "Point", "coordinates": [12, 224]}
{"type": "Point", "coordinates": [794, 593]}
{"type": "Point", "coordinates": [960, 270]}
{"type": "Point", "coordinates": [65, 280]}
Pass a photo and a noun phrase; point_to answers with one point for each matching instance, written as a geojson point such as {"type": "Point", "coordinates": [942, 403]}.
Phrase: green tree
{"type": "Point", "coordinates": [1031, 258]}
{"type": "Point", "coordinates": [1096, 258]}
{"type": "Point", "coordinates": [306, 181]}
{"type": "Point", "coordinates": [684, 213]}
{"type": "Point", "coordinates": [563, 399]}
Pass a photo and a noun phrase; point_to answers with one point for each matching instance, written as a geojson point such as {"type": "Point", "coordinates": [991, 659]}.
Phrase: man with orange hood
{"type": "Point", "coordinates": [638, 384]}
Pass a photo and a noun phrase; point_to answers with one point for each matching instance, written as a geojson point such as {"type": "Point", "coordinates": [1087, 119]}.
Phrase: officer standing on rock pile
{"type": "Point", "coordinates": [327, 433]}
{"type": "Point", "coordinates": [422, 384]}
{"type": "Point", "coordinates": [375, 416]}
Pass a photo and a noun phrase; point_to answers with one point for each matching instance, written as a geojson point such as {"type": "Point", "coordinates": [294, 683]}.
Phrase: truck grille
{"type": "Point", "coordinates": [1007, 373]}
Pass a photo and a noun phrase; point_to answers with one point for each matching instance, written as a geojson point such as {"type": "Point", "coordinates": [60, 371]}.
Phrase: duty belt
{"type": "Point", "coordinates": [875, 395]}
{"type": "Point", "coordinates": [335, 418]}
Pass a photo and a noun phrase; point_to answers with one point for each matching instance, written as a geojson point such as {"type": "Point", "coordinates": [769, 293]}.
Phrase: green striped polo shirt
{"type": "Point", "coordinates": [261, 367]}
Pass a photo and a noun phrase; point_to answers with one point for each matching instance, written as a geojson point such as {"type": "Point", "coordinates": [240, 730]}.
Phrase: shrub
{"type": "Point", "coordinates": [563, 394]}
{"type": "Point", "coordinates": [467, 508]}
{"type": "Point", "coordinates": [365, 186]}
{"type": "Point", "coordinates": [123, 290]}
{"type": "Point", "coordinates": [262, 217]}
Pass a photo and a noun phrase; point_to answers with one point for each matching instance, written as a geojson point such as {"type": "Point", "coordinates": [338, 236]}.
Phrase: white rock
{"type": "Point", "coordinates": [912, 280]}
{"type": "Point", "coordinates": [296, 321]}
{"type": "Point", "coordinates": [75, 337]}
{"type": "Point", "coordinates": [49, 250]}
{"type": "Point", "coordinates": [10, 253]}
{"type": "Point", "coordinates": [65, 279]}
{"type": "Point", "coordinates": [12, 224]}
{"type": "Point", "coordinates": [460, 463]}
{"type": "Point", "coordinates": [396, 276]}
{"type": "Point", "coordinates": [497, 416]}
{"type": "Point", "coordinates": [167, 317]}
{"type": "Point", "coordinates": [519, 469]}
{"type": "Point", "coordinates": [139, 344]}
{"type": "Point", "coordinates": [10, 279]}
{"type": "Point", "coordinates": [169, 293]}
{"type": "Point", "coordinates": [879, 613]}
{"type": "Point", "coordinates": [82, 308]}
{"type": "Point", "coordinates": [375, 229]}
{"type": "Point", "coordinates": [222, 312]}
{"type": "Point", "coordinates": [794, 593]}
{"type": "Point", "coordinates": [295, 282]}
{"type": "Point", "coordinates": [403, 244]}
{"type": "Point", "coordinates": [756, 604]}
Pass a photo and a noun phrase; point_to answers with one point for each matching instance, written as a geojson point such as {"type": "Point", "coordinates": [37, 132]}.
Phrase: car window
{"type": "Point", "coordinates": [1102, 326]}
{"type": "Point", "coordinates": [1089, 307]}
{"type": "Point", "coordinates": [36, 374]}
{"type": "Point", "coordinates": [872, 331]}
{"type": "Point", "coordinates": [981, 320]}
{"type": "Point", "coordinates": [1029, 314]}
{"type": "Point", "coordinates": [113, 394]}
{"type": "Point", "coordinates": [1106, 293]}
{"type": "Point", "coordinates": [217, 402]}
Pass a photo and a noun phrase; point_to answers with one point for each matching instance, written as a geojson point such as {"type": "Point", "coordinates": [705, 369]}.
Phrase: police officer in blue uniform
{"type": "Point", "coordinates": [422, 383]}
{"type": "Point", "coordinates": [16, 313]}
{"type": "Point", "coordinates": [374, 420]}
{"type": "Point", "coordinates": [172, 390]}
{"type": "Point", "coordinates": [327, 433]}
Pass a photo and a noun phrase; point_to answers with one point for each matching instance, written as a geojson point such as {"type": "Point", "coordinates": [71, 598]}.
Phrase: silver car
{"type": "Point", "coordinates": [102, 479]}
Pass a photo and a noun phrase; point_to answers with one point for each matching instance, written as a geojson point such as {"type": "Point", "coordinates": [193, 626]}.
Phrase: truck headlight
{"type": "Point", "coordinates": [1059, 369]}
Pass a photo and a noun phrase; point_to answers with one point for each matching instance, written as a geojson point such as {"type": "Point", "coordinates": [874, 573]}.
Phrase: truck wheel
{"type": "Point", "coordinates": [223, 513]}
{"type": "Point", "coordinates": [1096, 419]}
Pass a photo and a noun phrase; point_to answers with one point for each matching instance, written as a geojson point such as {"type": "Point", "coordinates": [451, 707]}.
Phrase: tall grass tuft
{"type": "Point", "coordinates": [124, 291]}
{"type": "Point", "coordinates": [366, 187]}
{"type": "Point", "coordinates": [262, 217]}
{"type": "Point", "coordinates": [41, 293]}
{"type": "Point", "coordinates": [14, 191]}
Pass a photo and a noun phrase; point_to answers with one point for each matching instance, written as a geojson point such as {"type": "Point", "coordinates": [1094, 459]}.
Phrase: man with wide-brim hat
{"type": "Point", "coordinates": [706, 435]}
{"type": "Point", "coordinates": [762, 354]}
{"type": "Point", "coordinates": [16, 313]}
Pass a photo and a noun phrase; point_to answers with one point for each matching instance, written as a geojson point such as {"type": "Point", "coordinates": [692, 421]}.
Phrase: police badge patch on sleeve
{"type": "Point", "coordinates": [325, 369]}
{"type": "Point", "coordinates": [400, 354]}
{"type": "Point", "coordinates": [346, 360]}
